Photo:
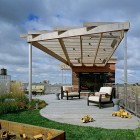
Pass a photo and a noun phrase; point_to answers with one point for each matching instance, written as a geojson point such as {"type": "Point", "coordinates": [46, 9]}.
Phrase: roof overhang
{"type": "Point", "coordinates": [91, 45]}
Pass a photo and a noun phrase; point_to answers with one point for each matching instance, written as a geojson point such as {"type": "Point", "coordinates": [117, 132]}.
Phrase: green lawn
{"type": "Point", "coordinates": [73, 132]}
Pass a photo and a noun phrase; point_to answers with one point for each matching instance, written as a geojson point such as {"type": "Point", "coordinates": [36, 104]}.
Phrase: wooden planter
{"type": "Point", "coordinates": [30, 131]}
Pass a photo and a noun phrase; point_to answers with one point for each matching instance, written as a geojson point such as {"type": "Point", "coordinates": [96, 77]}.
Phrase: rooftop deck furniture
{"type": "Point", "coordinates": [69, 91]}
{"type": "Point", "coordinates": [57, 96]}
{"type": "Point", "coordinates": [36, 89]}
{"type": "Point", "coordinates": [104, 96]}
{"type": "Point", "coordinates": [116, 104]}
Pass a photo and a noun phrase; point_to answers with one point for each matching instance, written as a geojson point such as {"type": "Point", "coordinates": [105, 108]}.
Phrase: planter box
{"type": "Point", "coordinates": [31, 130]}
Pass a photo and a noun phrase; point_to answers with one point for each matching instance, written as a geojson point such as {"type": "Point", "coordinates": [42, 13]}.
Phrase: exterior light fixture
{"type": "Point", "coordinates": [90, 44]}
{"type": "Point", "coordinates": [110, 34]}
{"type": "Point", "coordinates": [78, 60]}
{"type": "Point", "coordinates": [114, 43]}
{"type": "Point", "coordinates": [104, 60]}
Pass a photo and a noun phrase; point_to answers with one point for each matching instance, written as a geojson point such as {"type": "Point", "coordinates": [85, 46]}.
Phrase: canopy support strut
{"type": "Point", "coordinates": [30, 72]}
{"type": "Point", "coordinates": [125, 67]}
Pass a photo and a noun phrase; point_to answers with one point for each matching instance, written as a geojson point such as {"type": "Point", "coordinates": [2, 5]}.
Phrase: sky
{"type": "Point", "coordinates": [19, 16]}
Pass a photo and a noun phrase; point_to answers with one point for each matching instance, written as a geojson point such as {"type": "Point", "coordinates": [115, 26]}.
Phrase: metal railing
{"type": "Point", "coordinates": [130, 100]}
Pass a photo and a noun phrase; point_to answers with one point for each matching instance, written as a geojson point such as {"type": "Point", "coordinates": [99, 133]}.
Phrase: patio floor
{"type": "Point", "coordinates": [71, 111]}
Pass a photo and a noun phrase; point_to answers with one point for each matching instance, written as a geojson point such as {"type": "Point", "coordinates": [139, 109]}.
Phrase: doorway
{"type": "Point", "coordinates": [92, 81]}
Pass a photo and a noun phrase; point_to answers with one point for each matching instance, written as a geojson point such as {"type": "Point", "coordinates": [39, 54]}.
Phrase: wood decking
{"type": "Point", "coordinates": [71, 111]}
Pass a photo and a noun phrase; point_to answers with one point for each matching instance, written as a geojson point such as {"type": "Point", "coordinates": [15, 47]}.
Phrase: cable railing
{"type": "Point", "coordinates": [131, 99]}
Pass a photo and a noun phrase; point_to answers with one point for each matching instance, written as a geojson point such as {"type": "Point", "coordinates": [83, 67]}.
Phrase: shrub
{"type": "Point", "coordinates": [12, 102]}
{"type": "Point", "coordinates": [16, 87]}
{"type": "Point", "coordinates": [40, 104]}
{"type": "Point", "coordinates": [16, 102]}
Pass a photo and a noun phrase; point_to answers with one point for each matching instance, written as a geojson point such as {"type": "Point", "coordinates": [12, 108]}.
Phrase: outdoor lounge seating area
{"type": "Point", "coordinates": [69, 92]}
{"type": "Point", "coordinates": [104, 96]}
{"type": "Point", "coordinates": [71, 112]}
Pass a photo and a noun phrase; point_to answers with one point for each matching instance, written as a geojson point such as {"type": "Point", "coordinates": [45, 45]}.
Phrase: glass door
{"type": "Point", "coordinates": [93, 81]}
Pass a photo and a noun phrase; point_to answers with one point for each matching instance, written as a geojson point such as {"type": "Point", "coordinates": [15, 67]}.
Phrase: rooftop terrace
{"type": "Point", "coordinates": [71, 111]}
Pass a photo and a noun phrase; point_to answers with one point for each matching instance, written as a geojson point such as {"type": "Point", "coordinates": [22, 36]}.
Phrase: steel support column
{"type": "Point", "coordinates": [125, 68]}
{"type": "Point", "coordinates": [30, 72]}
{"type": "Point", "coordinates": [62, 76]}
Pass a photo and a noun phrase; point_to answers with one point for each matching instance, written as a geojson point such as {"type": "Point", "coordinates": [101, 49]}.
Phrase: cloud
{"type": "Point", "coordinates": [19, 16]}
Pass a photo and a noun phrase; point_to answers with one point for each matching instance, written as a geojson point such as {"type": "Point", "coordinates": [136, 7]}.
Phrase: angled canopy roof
{"type": "Point", "coordinates": [91, 45]}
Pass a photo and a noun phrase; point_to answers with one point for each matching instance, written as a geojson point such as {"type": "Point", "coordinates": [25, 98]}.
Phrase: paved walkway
{"type": "Point", "coordinates": [71, 111]}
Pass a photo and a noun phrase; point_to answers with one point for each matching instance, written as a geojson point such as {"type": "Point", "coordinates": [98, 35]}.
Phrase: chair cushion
{"type": "Point", "coordinates": [69, 89]}
{"type": "Point", "coordinates": [99, 93]}
{"type": "Point", "coordinates": [106, 90]}
{"type": "Point", "coordinates": [96, 99]}
{"type": "Point", "coordinates": [64, 87]}
{"type": "Point", "coordinates": [71, 94]}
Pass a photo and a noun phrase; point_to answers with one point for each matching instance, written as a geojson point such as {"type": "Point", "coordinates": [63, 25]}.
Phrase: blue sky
{"type": "Point", "coordinates": [19, 16]}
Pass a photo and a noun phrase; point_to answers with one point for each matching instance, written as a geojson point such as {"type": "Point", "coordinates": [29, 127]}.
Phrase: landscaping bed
{"type": "Point", "coordinates": [17, 102]}
{"type": "Point", "coordinates": [29, 131]}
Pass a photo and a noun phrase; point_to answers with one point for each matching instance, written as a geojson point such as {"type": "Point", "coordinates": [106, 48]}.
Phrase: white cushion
{"type": "Point", "coordinates": [71, 94]}
{"type": "Point", "coordinates": [99, 93]}
{"type": "Point", "coordinates": [106, 90]}
{"type": "Point", "coordinates": [96, 99]}
{"type": "Point", "coordinates": [64, 87]}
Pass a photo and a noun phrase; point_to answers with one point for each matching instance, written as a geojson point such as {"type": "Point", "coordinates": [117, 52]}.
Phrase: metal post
{"type": "Point", "coordinates": [30, 72]}
{"type": "Point", "coordinates": [62, 76]}
{"type": "Point", "coordinates": [125, 67]}
{"type": "Point", "coordinates": [117, 91]}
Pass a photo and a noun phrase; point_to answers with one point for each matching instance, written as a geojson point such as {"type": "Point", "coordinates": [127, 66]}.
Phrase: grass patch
{"type": "Point", "coordinates": [73, 132]}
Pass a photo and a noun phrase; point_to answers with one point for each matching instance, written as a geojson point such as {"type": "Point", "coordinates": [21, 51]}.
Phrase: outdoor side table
{"type": "Point", "coordinates": [116, 104]}
{"type": "Point", "coordinates": [57, 96]}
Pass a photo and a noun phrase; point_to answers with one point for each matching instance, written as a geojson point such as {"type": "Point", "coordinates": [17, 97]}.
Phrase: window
{"type": "Point", "coordinates": [93, 81]}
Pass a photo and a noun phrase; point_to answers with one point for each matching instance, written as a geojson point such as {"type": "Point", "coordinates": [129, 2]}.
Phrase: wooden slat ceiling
{"type": "Point", "coordinates": [91, 45]}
